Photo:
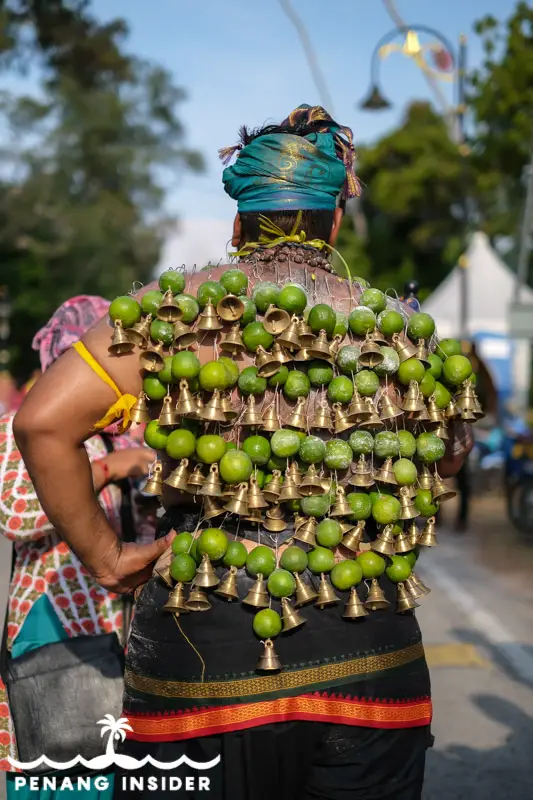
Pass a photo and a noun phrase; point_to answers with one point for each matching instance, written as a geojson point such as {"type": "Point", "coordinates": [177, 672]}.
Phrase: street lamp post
{"type": "Point", "coordinates": [375, 100]}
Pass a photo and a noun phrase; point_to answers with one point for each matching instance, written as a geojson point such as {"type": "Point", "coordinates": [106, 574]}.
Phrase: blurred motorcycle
{"type": "Point", "coordinates": [518, 448]}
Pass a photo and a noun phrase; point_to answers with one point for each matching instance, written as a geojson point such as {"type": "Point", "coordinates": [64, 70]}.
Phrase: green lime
{"type": "Point", "coordinates": [194, 384]}
{"type": "Point", "coordinates": [260, 476]}
{"type": "Point", "coordinates": [162, 332]}
{"type": "Point", "coordinates": [265, 294]}
{"type": "Point", "coordinates": [281, 583]}
{"type": "Point", "coordinates": [456, 369]}
{"type": "Point", "coordinates": [180, 444]}
{"type": "Point", "coordinates": [185, 365]}
{"type": "Point", "coordinates": [407, 444]}
{"type": "Point", "coordinates": [348, 358]}
{"type": "Point", "coordinates": [390, 322]}
{"type": "Point", "coordinates": [261, 561]}
{"type": "Point", "coordinates": [294, 506]}
{"type": "Point", "coordinates": [420, 326]}
{"type": "Point", "coordinates": [210, 448]}
{"type": "Point", "coordinates": [173, 280]}
{"type": "Point", "coordinates": [340, 390]}
{"type": "Point", "coordinates": [236, 555]}
{"type": "Point", "coordinates": [255, 335]}
{"type": "Point", "coordinates": [473, 379]}
{"type": "Point", "coordinates": [411, 558]}
{"type": "Point", "coordinates": [312, 450]}
{"type": "Point", "coordinates": [232, 370]}
{"type": "Point", "coordinates": [442, 395]}
{"type": "Point", "coordinates": [362, 443]}
{"type": "Point", "coordinates": [430, 448]}
{"type": "Point", "coordinates": [278, 462]}
{"type": "Point", "coordinates": [189, 307]}
{"type": "Point", "coordinates": [258, 448]}
{"type": "Point", "coordinates": [427, 384]}
{"type": "Point", "coordinates": [436, 365]}
{"type": "Point", "coordinates": [296, 385]}
{"type": "Point", "coordinates": [346, 574]}
{"type": "Point", "coordinates": [151, 301]}
{"type": "Point", "coordinates": [155, 436]}
{"type": "Point", "coordinates": [153, 388]}
{"type": "Point", "coordinates": [235, 466]}
{"type": "Point", "coordinates": [411, 370]}
{"type": "Point", "coordinates": [294, 559]}
{"type": "Point", "coordinates": [373, 299]}
{"type": "Point", "coordinates": [360, 504]}
{"type": "Point", "coordinates": [390, 363]}
{"type": "Point", "coordinates": [328, 533]}
{"type": "Point", "coordinates": [363, 283]}
{"type": "Point", "coordinates": [125, 309]}
{"type": "Point", "coordinates": [183, 568]}
{"type": "Point", "coordinates": [398, 570]}
{"type": "Point", "coordinates": [267, 623]}
{"type": "Point", "coordinates": [341, 324]}
{"type": "Point", "coordinates": [319, 373]}
{"type": "Point", "coordinates": [425, 504]}
{"type": "Point", "coordinates": [231, 446]}
{"type": "Point", "coordinates": [449, 347]}
{"type": "Point", "coordinates": [285, 443]}
{"type": "Point", "coordinates": [182, 543]}
{"type": "Point", "coordinates": [372, 564]}
{"type": "Point", "coordinates": [250, 311]}
{"type": "Point", "coordinates": [213, 375]}
{"type": "Point", "coordinates": [279, 378]}
{"type": "Point", "coordinates": [165, 374]}
{"type": "Point", "coordinates": [322, 318]}
{"type": "Point", "coordinates": [362, 320]}
{"type": "Point", "coordinates": [366, 382]}
{"type": "Point", "coordinates": [321, 559]}
{"type": "Point", "coordinates": [292, 298]}
{"type": "Point", "coordinates": [339, 454]}
{"type": "Point", "coordinates": [405, 472]}
{"type": "Point", "coordinates": [213, 542]}
{"type": "Point", "coordinates": [250, 382]}
{"type": "Point", "coordinates": [194, 551]}
{"type": "Point", "coordinates": [386, 444]}
{"type": "Point", "coordinates": [234, 281]}
{"type": "Point", "coordinates": [386, 509]}
{"type": "Point", "coordinates": [192, 425]}
{"type": "Point", "coordinates": [316, 506]}
{"type": "Point", "coordinates": [210, 290]}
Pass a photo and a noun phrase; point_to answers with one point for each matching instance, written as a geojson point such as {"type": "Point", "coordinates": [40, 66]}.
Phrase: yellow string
{"type": "Point", "coordinates": [176, 620]}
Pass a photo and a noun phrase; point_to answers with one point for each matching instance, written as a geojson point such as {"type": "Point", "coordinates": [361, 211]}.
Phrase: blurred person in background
{"type": "Point", "coordinates": [51, 595]}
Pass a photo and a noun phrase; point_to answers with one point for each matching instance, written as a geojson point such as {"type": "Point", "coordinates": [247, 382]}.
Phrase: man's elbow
{"type": "Point", "coordinates": [28, 426]}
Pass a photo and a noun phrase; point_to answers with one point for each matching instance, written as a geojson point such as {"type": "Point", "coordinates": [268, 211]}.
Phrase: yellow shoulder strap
{"type": "Point", "coordinates": [119, 410]}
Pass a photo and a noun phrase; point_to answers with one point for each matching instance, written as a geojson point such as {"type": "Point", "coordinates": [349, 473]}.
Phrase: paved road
{"type": "Point", "coordinates": [479, 637]}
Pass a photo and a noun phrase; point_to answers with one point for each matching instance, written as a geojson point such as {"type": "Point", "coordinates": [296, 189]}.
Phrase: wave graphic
{"type": "Point", "coordinates": [105, 761]}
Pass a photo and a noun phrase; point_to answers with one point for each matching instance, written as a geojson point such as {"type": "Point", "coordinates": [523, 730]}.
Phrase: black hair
{"type": "Point", "coordinates": [315, 224]}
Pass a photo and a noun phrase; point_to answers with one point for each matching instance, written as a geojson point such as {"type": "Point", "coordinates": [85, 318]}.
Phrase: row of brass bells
{"type": "Point", "coordinates": [413, 534]}
{"type": "Point", "coordinates": [177, 600]}
{"type": "Point", "coordinates": [290, 617]}
{"type": "Point", "coordinates": [167, 417]}
{"type": "Point", "coordinates": [451, 411]}
{"type": "Point", "coordinates": [335, 346]}
{"type": "Point", "coordinates": [272, 490]}
{"type": "Point", "coordinates": [120, 343]}
{"type": "Point", "coordinates": [341, 420]}
{"type": "Point", "coordinates": [140, 412]}
{"type": "Point", "coordinates": [151, 359]}
{"type": "Point", "coordinates": [208, 319]}
{"type": "Point", "coordinates": [270, 419]}
{"type": "Point", "coordinates": [212, 509]}
{"type": "Point", "coordinates": [441, 492]}
{"type": "Point", "coordinates": [139, 334]}
{"type": "Point", "coordinates": [372, 419]}
{"type": "Point", "coordinates": [388, 408]}
{"type": "Point", "coordinates": [154, 484]}
{"type": "Point", "coordinates": [252, 416]}
{"type": "Point", "coordinates": [258, 596]}
{"type": "Point", "coordinates": [311, 485]}
{"type": "Point", "coordinates": [306, 336]}
{"type": "Point", "coordinates": [385, 474]}
{"type": "Point", "coordinates": [228, 586]}
{"type": "Point", "coordinates": [405, 600]}
{"type": "Point", "coordinates": [227, 407]}
{"type": "Point", "coordinates": [295, 473]}
{"type": "Point", "coordinates": [428, 537]}
{"type": "Point", "coordinates": [322, 419]}
{"type": "Point", "coordinates": [420, 585]}
{"type": "Point", "coordinates": [363, 475]}
{"type": "Point", "coordinates": [196, 480]}
{"type": "Point", "coordinates": [320, 348]}
{"type": "Point", "coordinates": [403, 347]}
{"type": "Point", "coordinates": [342, 508]}
{"type": "Point", "coordinates": [305, 593]}
{"type": "Point", "coordinates": [354, 608]}
{"type": "Point", "coordinates": [238, 503]}
{"type": "Point", "coordinates": [198, 600]}
{"type": "Point", "coordinates": [435, 414]}
{"type": "Point", "coordinates": [403, 543]}
{"type": "Point", "coordinates": [255, 498]}
{"type": "Point", "coordinates": [275, 520]}
{"type": "Point", "coordinates": [266, 363]}
{"type": "Point", "coordinates": [422, 353]}
{"type": "Point", "coordinates": [408, 508]}
{"type": "Point", "coordinates": [179, 478]}
{"type": "Point", "coordinates": [206, 577]}
{"type": "Point", "coordinates": [232, 342]}
{"type": "Point", "coordinates": [168, 310]}
{"type": "Point", "coordinates": [326, 594]}
{"type": "Point", "coordinates": [298, 418]}
{"type": "Point", "coordinates": [305, 532]}
{"type": "Point", "coordinates": [376, 600]}
{"type": "Point", "coordinates": [230, 308]}
{"type": "Point", "coordinates": [358, 410]}
{"type": "Point", "coordinates": [279, 354]}
{"type": "Point", "coordinates": [276, 320]}
{"type": "Point", "coordinates": [371, 355]}
{"type": "Point", "coordinates": [354, 536]}
{"type": "Point", "coordinates": [413, 399]}
{"type": "Point", "coordinates": [186, 405]}
{"type": "Point", "coordinates": [269, 661]}
{"type": "Point", "coordinates": [385, 542]}
{"type": "Point", "coordinates": [212, 486]}
{"type": "Point", "coordinates": [213, 411]}
{"type": "Point", "coordinates": [183, 335]}
{"type": "Point", "coordinates": [289, 338]}
{"type": "Point", "coordinates": [289, 490]}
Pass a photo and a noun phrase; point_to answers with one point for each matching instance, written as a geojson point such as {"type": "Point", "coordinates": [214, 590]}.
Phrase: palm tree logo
{"type": "Point", "coordinates": [116, 728]}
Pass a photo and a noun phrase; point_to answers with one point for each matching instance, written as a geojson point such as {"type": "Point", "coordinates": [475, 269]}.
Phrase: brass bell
{"type": "Point", "coordinates": [412, 588]}
{"type": "Point", "coordinates": [403, 543]}
{"type": "Point", "coordinates": [385, 542]}
{"type": "Point", "coordinates": [371, 355]}
{"type": "Point", "coordinates": [275, 520]}
{"type": "Point", "coordinates": [227, 407]}
{"type": "Point", "coordinates": [422, 353]}
{"type": "Point", "coordinates": [167, 418]}
{"type": "Point", "coordinates": [322, 419]}
{"type": "Point", "coordinates": [198, 600]}
{"type": "Point", "coordinates": [358, 410]}
{"type": "Point", "coordinates": [353, 538]}
{"type": "Point", "coordinates": [213, 411]}
{"type": "Point", "coordinates": [154, 484]}
{"type": "Point", "coordinates": [341, 420]}
{"type": "Point", "coordinates": [378, 337]}
{"type": "Point", "coordinates": [408, 509]}
{"type": "Point", "coordinates": [269, 662]}
{"type": "Point", "coordinates": [140, 412]}
{"type": "Point", "coordinates": [164, 574]}
{"type": "Point", "coordinates": [289, 337]}
{"type": "Point", "coordinates": [451, 411]}
{"type": "Point", "coordinates": [354, 608]}
{"type": "Point", "coordinates": [372, 420]}
{"type": "Point", "coordinates": [208, 319]}
{"type": "Point", "coordinates": [305, 334]}
{"type": "Point", "coordinates": [363, 475]}
{"type": "Point", "coordinates": [252, 416]}
{"type": "Point", "coordinates": [255, 517]}
{"type": "Point", "coordinates": [420, 584]}
{"type": "Point", "coordinates": [238, 503]}
{"type": "Point", "coordinates": [177, 601]}
{"type": "Point", "coordinates": [270, 420]}
{"type": "Point", "coordinates": [298, 521]}
{"type": "Point", "coordinates": [168, 310]}
{"type": "Point", "coordinates": [478, 409]}
{"type": "Point", "coordinates": [440, 491]}
{"type": "Point", "coordinates": [255, 497]}
{"type": "Point", "coordinates": [342, 508]}
{"type": "Point", "coordinates": [326, 594]}
{"type": "Point", "coordinates": [306, 532]}
{"type": "Point", "coordinates": [212, 486]}
{"type": "Point", "coordinates": [468, 416]}
{"type": "Point", "coordinates": [183, 336]}
{"type": "Point", "coordinates": [258, 596]}
{"type": "Point", "coordinates": [403, 347]}
{"type": "Point", "coordinates": [320, 348]}
{"type": "Point", "coordinates": [265, 362]}
{"type": "Point", "coordinates": [200, 405]}
{"type": "Point", "coordinates": [304, 592]}
{"type": "Point", "coordinates": [376, 600]}
{"type": "Point", "coordinates": [206, 577]}
{"type": "Point", "coordinates": [279, 354]}
{"type": "Point", "coordinates": [211, 509]}
{"type": "Point", "coordinates": [291, 618]}
{"type": "Point", "coordinates": [276, 320]}
{"type": "Point", "coordinates": [186, 406]}
{"type": "Point", "coordinates": [230, 308]}
{"type": "Point", "coordinates": [334, 347]}
{"type": "Point", "coordinates": [346, 527]}
{"type": "Point", "coordinates": [428, 537]}
{"type": "Point", "coordinates": [442, 431]}
{"type": "Point", "coordinates": [179, 478]}
{"type": "Point", "coordinates": [385, 473]}
{"type": "Point", "coordinates": [139, 334]}
{"type": "Point", "coordinates": [298, 418]}
{"type": "Point", "coordinates": [272, 490]}
{"type": "Point", "coordinates": [120, 343]}
{"type": "Point", "coordinates": [301, 355]}
{"type": "Point", "coordinates": [388, 409]}
{"type": "Point", "coordinates": [295, 473]}
{"type": "Point", "coordinates": [196, 480]}
{"type": "Point", "coordinates": [228, 586]}
{"type": "Point", "coordinates": [311, 484]}
{"type": "Point", "coordinates": [435, 414]}
{"type": "Point", "coordinates": [465, 399]}
{"type": "Point", "coordinates": [289, 490]}
{"type": "Point", "coordinates": [232, 342]}
{"type": "Point", "coordinates": [413, 400]}
{"type": "Point", "coordinates": [425, 478]}
{"type": "Point", "coordinates": [413, 534]}
{"type": "Point", "coordinates": [405, 601]}
{"type": "Point", "coordinates": [152, 358]}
